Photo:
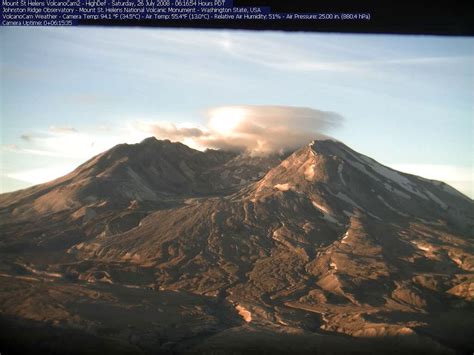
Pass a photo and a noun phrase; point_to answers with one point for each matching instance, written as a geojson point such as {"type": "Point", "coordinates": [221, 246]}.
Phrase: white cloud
{"type": "Point", "coordinates": [256, 129]}
{"type": "Point", "coordinates": [56, 129]}
{"type": "Point", "coordinates": [170, 130]}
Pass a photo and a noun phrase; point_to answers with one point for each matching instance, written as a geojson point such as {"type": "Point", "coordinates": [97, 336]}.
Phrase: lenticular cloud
{"type": "Point", "coordinates": [259, 130]}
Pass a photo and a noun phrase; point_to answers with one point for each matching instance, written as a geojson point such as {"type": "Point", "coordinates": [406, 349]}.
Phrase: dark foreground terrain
{"type": "Point", "coordinates": [159, 248]}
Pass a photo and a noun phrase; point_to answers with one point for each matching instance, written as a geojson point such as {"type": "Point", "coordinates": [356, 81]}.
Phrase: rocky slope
{"type": "Point", "coordinates": [322, 243]}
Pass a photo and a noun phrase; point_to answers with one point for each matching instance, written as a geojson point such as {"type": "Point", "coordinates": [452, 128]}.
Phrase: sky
{"type": "Point", "coordinates": [68, 94]}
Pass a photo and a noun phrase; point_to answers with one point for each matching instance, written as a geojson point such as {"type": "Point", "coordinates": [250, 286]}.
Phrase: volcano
{"type": "Point", "coordinates": [159, 248]}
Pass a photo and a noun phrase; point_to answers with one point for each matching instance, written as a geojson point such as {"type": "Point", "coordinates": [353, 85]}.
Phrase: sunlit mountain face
{"type": "Point", "coordinates": [159, 248]}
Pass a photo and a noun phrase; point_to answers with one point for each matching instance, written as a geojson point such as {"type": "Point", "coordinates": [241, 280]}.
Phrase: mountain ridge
{"type": "Point", "coordinates": [323, 241]}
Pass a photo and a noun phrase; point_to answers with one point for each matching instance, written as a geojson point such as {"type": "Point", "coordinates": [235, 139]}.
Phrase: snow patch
{"type": "Point", "coordinates": [394, 176]}
{"type": "Point", "coordinates": [347, 199]}
{"type": "Point", "coordinates": [422, 247]}
{"type": "Point", "coordinates": [436, 199]}
{"type": "Point", "coordinates": [361, 167]}
{"type": "Point", "coordinates": [362, 162]}
{"type": "Point", "coordinates": [426, 248]}
{"type": "Point", "coordinates": [396, 191]}
{"type": "Point", "coordinates": [374, 216]}
{"type": "Point", "coordinates": [348, 214]}
{"type": "Point", "coordinates": [309, 172]}
{"type": "Point", "coordinates": [282, 187]}
{"type": "Point", "coordinates": [391, 207]}
{"type": "Point", "coordinates": [330, 218]}
{"type": "Point", "coordinates": [326, 214]}
{"type": "Point", "coordinates": [244, 313]}
{"type": "Point", "coordinates": [320, 207]}
{"type": "Point", "coordinates": [402, 194]}
{"type": "Point", "coordinates": [339, 171]}
{"type": "Point", "coordinates": [40, 272]}
{"type": "Point", "coordinates": [437, 223]}
{"type": "Point", "coordinates": [344, 239]}
{"type": "Point", "coordinates": [276, 234]}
